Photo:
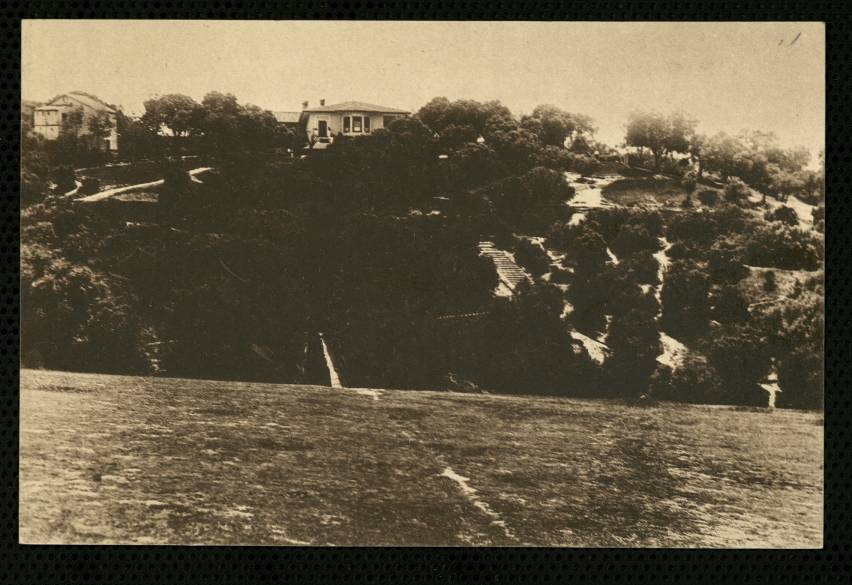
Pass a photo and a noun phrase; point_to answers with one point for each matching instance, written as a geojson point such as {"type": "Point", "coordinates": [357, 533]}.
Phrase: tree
{"type": "Point", "coordinates": [796, 339]}
{"type": "Point", "coordinates": [736, 191]}
{"type": "Point", "coordinates": [556, 127]}
{"type": "Point", "coordinates": [532, 202]}
{"type": "Point", "coordinates": [100, 128]}
{"type": "Point", "coordinates": [532, 257]}
{"type": "Point", "coordinates": [135, 138]}
{"type": "Point", "coordinates": [72, 122]}
{"type": "Point", "coordinates": [725, 260]}
{"type": "Point", "coordinates": [586, 253]}
{"type": "Point", "coordinates": [177, 112]}
{"type": "Point", "coordinates": [661, 134]}
{"type": "Point", "coordinates": [730, 306]}
{"type": "Point", "coordinates": [635, 343]}
{"type": "Point", "coordinates": [686, 307]}
{"type": "Point", "coordinates": [697, 147]}
{"type": "Point", "coordinates": [740, 355]}
{"type": "Point", "coordinates": [479, 117]}
{"type": "Point", "coordinates": [783, 214]}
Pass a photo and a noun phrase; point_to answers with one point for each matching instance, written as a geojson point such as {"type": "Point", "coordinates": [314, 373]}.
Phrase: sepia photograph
{"type": "Point", "coordinates": [422, 283]}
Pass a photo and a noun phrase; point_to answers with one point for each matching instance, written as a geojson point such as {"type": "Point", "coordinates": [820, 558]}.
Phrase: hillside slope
{"type": "Point", "coordinates": [110, 459]}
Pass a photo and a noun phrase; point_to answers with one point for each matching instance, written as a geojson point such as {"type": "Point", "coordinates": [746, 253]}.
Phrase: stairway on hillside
{"type": "Point", "coordinates": [509, 273]}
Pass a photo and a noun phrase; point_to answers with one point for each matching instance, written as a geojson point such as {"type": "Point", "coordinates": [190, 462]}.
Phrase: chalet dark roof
{"type": "Point", "coordinates": [355, 107]}
{"type": "Point", "coordinates": [287, 117]}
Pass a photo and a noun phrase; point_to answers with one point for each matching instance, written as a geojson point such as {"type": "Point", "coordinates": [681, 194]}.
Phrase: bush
{"type": "Point", "coordinates": [633, 239]}
{"type": "Point", "coordinates": [90, 185]}
{"type": "Point", "coordinates": [819, 218]}
{"type": "Point", "coordinates": [635, 344]}
{"type": "Point", "coordinates": [725, 260]}
{"type": "Point", "coordinates": [769, 283]}
{"type": "Point", "coordinates": [736, 191]}
{"type": "Point", "coordinates": [730, 306]}
{"type": "Point", "coordinates": [783, 247]}
{"type": "Point", "coordinates": [686, 250]}
{"type": "Point", "coordinates": [560, 276]}
{"type": "Point", "coordinates": [741, 357]}
{"type": "Point", "coordinates": [708, 197]}
{"type": "Point", "coordinates": [689, 181]}
{"type": "Point", "coordinates": [783, 214]}
{"type": "Point", "coordinates": [609, 222]}
{"type": "Point", "coordinates": [686, 308]}
{"type": "Point", "coordinates": [696, 382]}
{"type": "Point", "coordinates": [532, 257]}
{"type": "Point", "coordinates": [642, 267]}
{"type": "Point", "coordinates": [64, 178]}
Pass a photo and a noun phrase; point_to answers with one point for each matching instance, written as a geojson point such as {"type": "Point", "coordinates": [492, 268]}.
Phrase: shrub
{"type": "Point", "coordinates": [635, 344]}
{"type": "Point", "coordinates": [532, 257]}
{"type": "Point", "coordinates": [730, 306]}
{"type": "Point", "coordinates": [741, 357]}
{"type": "Point", "coordinates": [783, 214]}
{"type": "Point", "coordinates": [783, 247]}
{"type": "Point", "coordinates": [819, 218]}
{"type": "Point", "coordinates": [632, 239]}
{"type": "Point", "coordinates": [689, 181]}
{"type": "Point", "coordinates": [684, 297]}
{"type": "Point", "coordinates": [64, 178]}
{"type": "Point", "coordinates": [686, 250]}
{"type": "Point", "coordinates": [642, 267]}
{"type": "Point", "coordinates": [736, 191]}
{"type": "Point", "coordinates": [560, 276]}
{"type": "Point", "coordinates": [90, 185]}
{"type": "Point", "coordinates": [708, 197]}
{"type": "Point", "coordinates": [769, 283]}
{"type": "Point", "coordinates": [725, 260]}
{"type": "Point", "coordinates": [695, 381]}
{"type": "Point", "coordinates": [609, 222]}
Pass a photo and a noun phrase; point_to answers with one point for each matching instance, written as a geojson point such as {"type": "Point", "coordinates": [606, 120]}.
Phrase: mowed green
{"type": "Point", "coordinates": [113, 459]}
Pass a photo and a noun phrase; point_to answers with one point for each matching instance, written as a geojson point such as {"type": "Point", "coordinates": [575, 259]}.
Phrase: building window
{"type": "Point", "coordinates": [356, 123]}
{"type": "Point", "coordinates": [366, 123]}
{"type": "Point", "coordinates": [346, 124]}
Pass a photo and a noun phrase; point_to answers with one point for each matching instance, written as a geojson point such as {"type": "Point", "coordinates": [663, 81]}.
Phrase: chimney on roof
{"type": "Point", "coordinates": [322, 102]}
{"type": "Point", "coordinates": [305, 105]}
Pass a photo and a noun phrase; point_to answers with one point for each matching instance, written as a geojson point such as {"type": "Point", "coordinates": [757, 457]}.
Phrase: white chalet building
{"type": "Point", "coordinates": [323, 123]}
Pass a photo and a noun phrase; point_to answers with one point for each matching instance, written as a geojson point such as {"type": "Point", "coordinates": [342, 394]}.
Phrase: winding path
{"type": "Point", "coordinates": [193, 174]}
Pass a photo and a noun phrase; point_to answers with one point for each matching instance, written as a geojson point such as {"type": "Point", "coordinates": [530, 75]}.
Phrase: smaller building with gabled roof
{"type": "Point", "coordinates": [352, 118]}
{"type": "Point", "coordinates": [75, 110]}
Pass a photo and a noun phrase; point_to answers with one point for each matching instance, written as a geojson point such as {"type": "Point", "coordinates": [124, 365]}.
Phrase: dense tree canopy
{"type": "Point", "coordinates": [179, 113]}
{"type": "Point", "coordinates": [556, 127]}
{"type": "Point", "coordinates": [660, 133]}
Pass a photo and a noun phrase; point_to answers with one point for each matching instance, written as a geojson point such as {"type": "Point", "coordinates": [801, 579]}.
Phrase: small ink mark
{"type": "Point", "coordinates": [794, 40]}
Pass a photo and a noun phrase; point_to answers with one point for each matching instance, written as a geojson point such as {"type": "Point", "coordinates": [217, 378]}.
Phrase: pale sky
{"type": "Point", "coordinates": [730, 76]}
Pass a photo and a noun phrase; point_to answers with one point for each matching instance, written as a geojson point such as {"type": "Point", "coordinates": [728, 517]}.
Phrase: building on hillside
{"type": "Point", "coordinates": [289, 120]}
{"type": "Point", "coordinates": [321, 124]}
{"type": "Point", "coordinates": [48, 119]}
{"type": "Point", "coordinates": [28, 113]}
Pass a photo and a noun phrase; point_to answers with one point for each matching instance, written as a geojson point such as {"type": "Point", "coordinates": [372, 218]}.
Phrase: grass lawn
{"type": "Point", "coordinates": [110, 459]}
{"type": "Point", "coordinates": [655, 189]}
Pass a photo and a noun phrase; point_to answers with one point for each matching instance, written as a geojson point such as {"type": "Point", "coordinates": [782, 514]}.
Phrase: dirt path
{"type": "Point", "coordinates": [193, 174]}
